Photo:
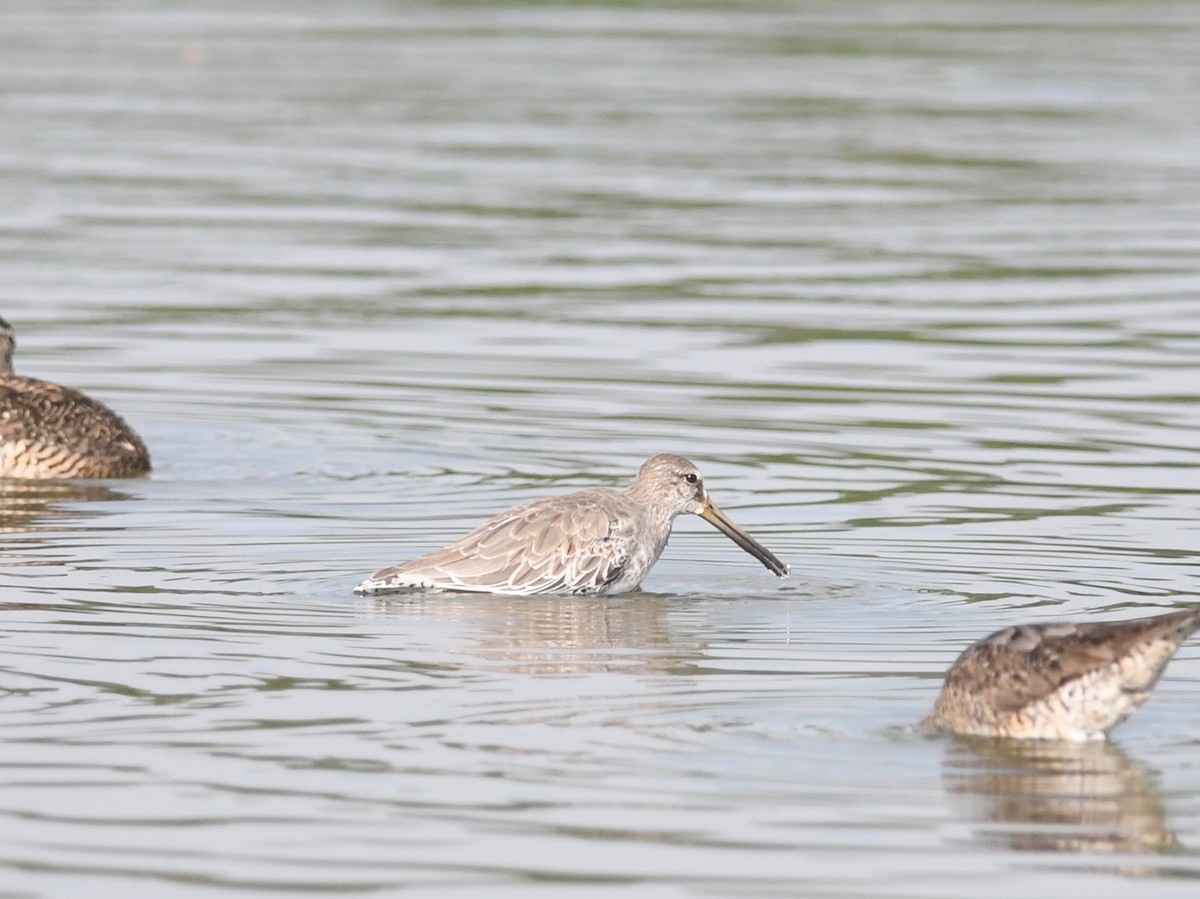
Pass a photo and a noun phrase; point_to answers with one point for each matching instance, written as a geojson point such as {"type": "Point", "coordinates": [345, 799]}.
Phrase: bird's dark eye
{"type": "Point", "coordinates": [692, 478]}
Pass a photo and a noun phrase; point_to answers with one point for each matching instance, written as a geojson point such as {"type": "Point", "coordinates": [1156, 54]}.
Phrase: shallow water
{"type": "Point", "coordinates": [916, 284]}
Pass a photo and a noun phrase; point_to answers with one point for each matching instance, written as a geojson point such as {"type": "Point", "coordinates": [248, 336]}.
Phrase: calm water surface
{"type": "Point", "coordinates": [917, 284]}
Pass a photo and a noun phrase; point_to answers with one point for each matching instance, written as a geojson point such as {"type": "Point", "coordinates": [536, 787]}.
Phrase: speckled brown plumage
{"type": "Point", "coordinates": [51, 431]}
{"type": "Point", "coordinates": [1058, 681]}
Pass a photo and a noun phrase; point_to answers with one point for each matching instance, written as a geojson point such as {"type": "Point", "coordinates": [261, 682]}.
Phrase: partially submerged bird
{"type": "Point", "coordinates": [593, 541]}
{"type": "Point", "coordinates": [1058, 681]}
{"type": "Point", "coordinates": [50, 431]}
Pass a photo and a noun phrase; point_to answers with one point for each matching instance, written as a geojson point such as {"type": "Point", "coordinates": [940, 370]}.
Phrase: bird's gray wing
{"type": "Point", "coordinates": [571, 544]}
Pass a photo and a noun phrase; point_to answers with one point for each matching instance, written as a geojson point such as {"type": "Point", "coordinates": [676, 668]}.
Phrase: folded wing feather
{"type": "Point", "coordinates": [567, 544]}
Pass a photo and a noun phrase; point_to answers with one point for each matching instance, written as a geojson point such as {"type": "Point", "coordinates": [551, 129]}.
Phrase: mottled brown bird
{"type": "Point", "coordinates": [596, 541]}
{"type": "Point", "coordinates": [51, 431]}
{"type": "Point", "coordinates": [1058, 681]}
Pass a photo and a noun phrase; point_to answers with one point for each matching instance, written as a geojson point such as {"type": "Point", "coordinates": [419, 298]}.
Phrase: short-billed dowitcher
{"type": "Point", "coordinates": [49, 431]}
{"type": "Point", "coordinates": [593, 541]}
{"type": "Point", "coordinates": [1058, 681]}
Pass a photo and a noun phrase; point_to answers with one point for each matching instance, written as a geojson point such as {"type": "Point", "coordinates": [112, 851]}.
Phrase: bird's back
{"type": "Point", "coordinates": [51, 431]}
{"type": "Point", "coordinates": [1058, 681]}
{"type": "Point", "coordinates": [584, 542]}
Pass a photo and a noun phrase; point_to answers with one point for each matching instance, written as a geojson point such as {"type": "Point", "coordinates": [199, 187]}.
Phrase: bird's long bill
{"type": "Point", "coordinates": [718, 519]}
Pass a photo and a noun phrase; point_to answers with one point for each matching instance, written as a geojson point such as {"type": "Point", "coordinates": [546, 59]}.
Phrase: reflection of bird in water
{"type": "Point", "coordinates": [25, 505]}
{"type": "Point", "coordinates": [50, 431]}
{"type": "Point", "coordinates": [1054, 796]}
{"type": "Point", "coordinates": [1058, 681]}
{"type": "Point", "coordinates": [553, 634]}
{"type": "Point", "coordinates": [590, 542]}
